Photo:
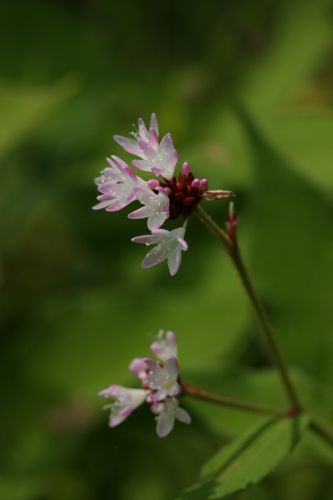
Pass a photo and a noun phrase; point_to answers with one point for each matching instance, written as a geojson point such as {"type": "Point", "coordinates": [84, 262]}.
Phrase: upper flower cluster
{"type": "Point", "coordinates": [162, 198]}
{"type": "Point", "coordinates": [160, 387]}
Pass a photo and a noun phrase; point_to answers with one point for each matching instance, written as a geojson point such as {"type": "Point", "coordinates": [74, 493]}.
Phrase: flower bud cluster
{"type": "Point", "coordinates": [160, 387]}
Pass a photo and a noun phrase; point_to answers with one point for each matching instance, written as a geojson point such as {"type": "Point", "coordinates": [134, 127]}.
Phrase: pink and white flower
{"type": "Point", "coordinates": [164, 198]}
{"type": "Point", "coordinates": [125, 401]}
{"type": "Point", "coordinates": [160, 388]}
{"type": "Point", "coordinates": [165, 346]}
{"type": "Point", "coordinates": [158, 158]}
{"type": "Point", "coordinates": [161, 379]}
{"type": "Point", "coordinates": [117, 185]}
{"type": "Point", "coordinates": [167, 412]}
{"type": "Point", "coordinates": [155, 206]}
{"type": "Point", "coordinates": [169, 246]}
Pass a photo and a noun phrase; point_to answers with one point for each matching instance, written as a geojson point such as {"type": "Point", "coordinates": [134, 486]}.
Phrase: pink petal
{"type": "Point", "coordinates": [153, 139]}
{"type": "Point", "coordinates": [130, 145]}
{"type": "Point", "coordinates": [142, 129]}
{"type": "Point", "coordinates": [186, 168]}
{"type": "Point", "coordinates": [140, 213]}
{"type": "Point", "coordinates": [138, 367]}
{"type": "Point", "coordinates": [154, 123]}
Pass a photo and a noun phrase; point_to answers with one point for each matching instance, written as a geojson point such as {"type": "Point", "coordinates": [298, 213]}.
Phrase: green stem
{"type": "Point", "coordinates": [322, 430]}
{"type": "Point", "coordinates": [239, 404]}
{"type": "Point", "coordinates": [232, 249]}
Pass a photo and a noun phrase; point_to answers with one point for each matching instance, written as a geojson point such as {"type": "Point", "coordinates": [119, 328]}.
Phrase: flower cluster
{"type": "Point", "coordinates": [160, 387]}
{"type": "Point", "coordinates": [164, 197]}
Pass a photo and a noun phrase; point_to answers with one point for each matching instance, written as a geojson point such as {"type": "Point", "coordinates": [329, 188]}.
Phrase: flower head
{"type": "Point", "coordinates": [161, 379]}
{"type": "Point", "coordinates": [166, 197]}
{"type": "Point", "coordinates": [158, 158]}
{"type": "Point", "coordinates": [160, 388]}
{"type": "Point", "coordinates": [117, 185]}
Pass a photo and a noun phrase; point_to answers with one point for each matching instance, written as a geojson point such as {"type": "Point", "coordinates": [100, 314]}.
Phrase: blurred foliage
{"type": "Point", "coordinates": [249, 457]}
{"type": "Point", "coordinates": [246, 90]}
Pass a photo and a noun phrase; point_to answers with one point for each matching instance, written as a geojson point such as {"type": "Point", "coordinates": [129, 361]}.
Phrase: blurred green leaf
{"type": "Point", "coordinates": [294, 56]}
{"type": "Point", "coordinates": [276, 92]}
{"type": "Point", "coordinates": [306, 140]}
{"type": "Point", "coordinates": [313, 451]}
{"type": "Point", "coordinates": [278, 83]}
{"type": "Point", "coordinates": [252, 456]}
{"type": "Point", "coordinates": [292, 218]}
{"type": "Point", "coordinates": [24, 107]}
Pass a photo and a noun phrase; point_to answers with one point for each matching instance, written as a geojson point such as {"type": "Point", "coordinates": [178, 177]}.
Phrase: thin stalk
{"type": "Point", "coordinates": [233, 251]}
{"type": "Point", "coordinates": [238, 404]}
{"type": "Point", "coordinates": [322, 430]}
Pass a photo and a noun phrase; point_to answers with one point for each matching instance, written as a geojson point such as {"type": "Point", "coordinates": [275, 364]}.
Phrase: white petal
{"type": "Point", "coordinates": [156, 220]}
{"type": "Point", "coordinates": [167, 144]}
{"type": "Point", "coordinates": [165, 423]}
{"type": "Point", "coordinates": [183, 416]}
{"type": "Point", "coordinates": [179, 232]}
{"type": "Point", "coordinates": [174, 262]}
{"type": "Point", "coordinates": [150, 239]}
{"type": "Point", "coordinates": [157, 255]}
{"type": "Point", "coordinates": [172, 369]}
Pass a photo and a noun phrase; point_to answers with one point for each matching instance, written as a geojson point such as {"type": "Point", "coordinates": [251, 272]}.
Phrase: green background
{"type": "Point", "coordinates": [246, 90]}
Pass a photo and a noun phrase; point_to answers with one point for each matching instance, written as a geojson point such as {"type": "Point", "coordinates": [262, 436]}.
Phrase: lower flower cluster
{"type": "Point", "coordinates": [160, 387]}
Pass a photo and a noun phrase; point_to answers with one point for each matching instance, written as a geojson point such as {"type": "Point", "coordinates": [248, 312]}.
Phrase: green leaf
{"type": "Point", "coordinates": [250, 457]}
{"type": "Point", "coordinates": [292, 255]}
{"type": "Point", "coordinates": [294, 56]}
{"type": "Point", "coordinates": [313, 450]}
{"type": "Point", "coordinates": [23, 108]}
{"type": "Point", "coordinates": [279, 92]}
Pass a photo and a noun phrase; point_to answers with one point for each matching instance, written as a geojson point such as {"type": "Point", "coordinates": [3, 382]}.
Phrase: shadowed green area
{"type": "Point", "coordinates": [246, 90]}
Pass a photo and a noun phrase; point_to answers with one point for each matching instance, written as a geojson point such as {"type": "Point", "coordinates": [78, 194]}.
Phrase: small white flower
{"type": "Point", "coordinates": [169, 246]}
{"type": "Point", "coordinates": [156, 207]}
{"type": "Point", "coordinates": [159, 158]}
{"type": "Point", "coordinates": [165, 346]}
{"type": "Point", "coordinates": [125, 401]}
{"type": "Point", "coordinates": [117, 184]}
{"type": "Point", "coordinates": [161, 379]}
{"type": "Point", "coordinates": [167, 412]}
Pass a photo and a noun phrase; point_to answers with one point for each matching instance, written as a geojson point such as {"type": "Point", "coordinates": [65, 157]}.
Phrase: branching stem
{"type": "Point", "coordinates": [231, 246]}
{"type": "Point", "coordinates": [238, 404]}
